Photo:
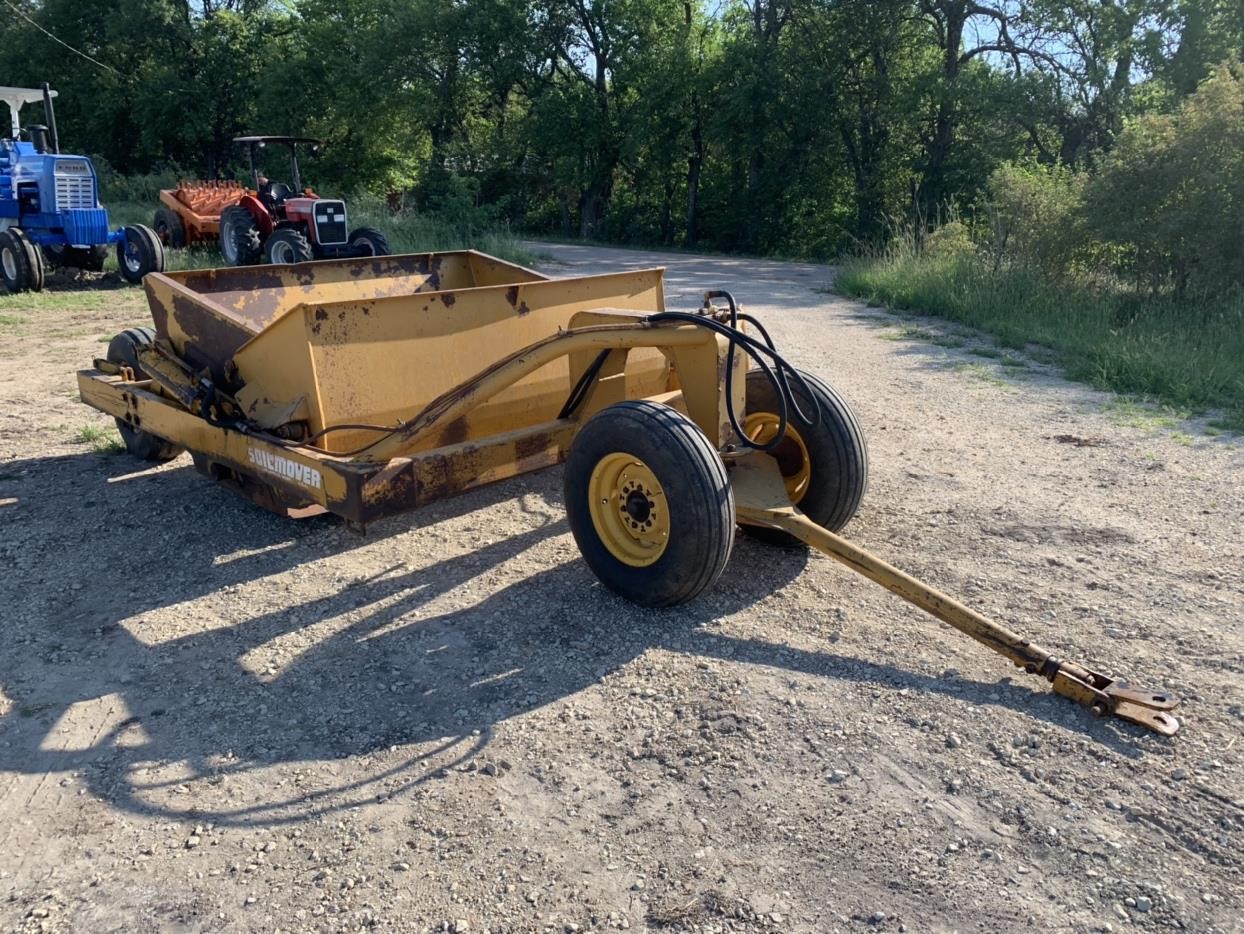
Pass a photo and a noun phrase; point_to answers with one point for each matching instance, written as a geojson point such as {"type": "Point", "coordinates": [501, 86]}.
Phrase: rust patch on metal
{"type": "Point", "coordinates": [210, 340]}
{"type": "Point", "coordinates": [455, 432]}
{"type": "Point", "coordinates": [511, 295]}
{"type": "Point", "coordinates": [159, 316]}
{"type": "Point", "coordinates": [523, 309]}
{"type": "Point", "coordinates": [448, 298]}
{"type": "Point", "coordinates": [536, 445]}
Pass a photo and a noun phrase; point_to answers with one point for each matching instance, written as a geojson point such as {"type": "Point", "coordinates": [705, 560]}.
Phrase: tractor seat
{"type": "Point", "coordinates": [273, 194]}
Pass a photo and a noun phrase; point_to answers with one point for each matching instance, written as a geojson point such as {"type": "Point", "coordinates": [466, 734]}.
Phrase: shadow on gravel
{"type": "Point", "coordinates": [403, 659]}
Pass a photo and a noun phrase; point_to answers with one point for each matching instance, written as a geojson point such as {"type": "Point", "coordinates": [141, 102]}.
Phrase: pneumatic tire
{"type": "Point", "coordinates": [139, 252]}
{"type": "Point", "coordinates": [240, 241]}
{"type": "Point", "coordinates": [369, 240]}
{"type": "Point", "coordinates": [34, 260]}
{"type": "Point", "coordinates": [15, 267]}
{"type": "Point", "coordinates": [649, 503]}
{"type": "Point", "coordinates": [169, 228]}
{"type": "Point", "coordinates": [123, 350]}
{"type": "Point", "coordinates": [824, 463]}
{"type": "Point", "coordinates": [287, 245]}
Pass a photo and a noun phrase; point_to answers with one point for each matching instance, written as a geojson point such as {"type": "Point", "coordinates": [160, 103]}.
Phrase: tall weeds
{"type": "Point", "coordinates": [1185, 351]}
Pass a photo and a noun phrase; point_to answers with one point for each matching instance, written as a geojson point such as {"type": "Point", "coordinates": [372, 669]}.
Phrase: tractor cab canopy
{"type": "Point", "coordinates": [271, 192]}
{"type": "Point", "coordinates": [17, 98]}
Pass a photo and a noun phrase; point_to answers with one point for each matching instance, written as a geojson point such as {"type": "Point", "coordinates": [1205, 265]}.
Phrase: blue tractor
{"type": "Point", "coordinates": [49, 207]}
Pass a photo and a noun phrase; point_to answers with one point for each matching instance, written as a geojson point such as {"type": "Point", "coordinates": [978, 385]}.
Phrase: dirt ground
{"type": "Point", "coordinates": [214, 719]}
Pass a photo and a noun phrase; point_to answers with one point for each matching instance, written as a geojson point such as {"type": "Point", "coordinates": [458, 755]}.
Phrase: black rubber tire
{"type": "Point", "coordinates": [14, 262]}
{"type": "Point", "coordinates": [836, 449]}
{"type": "Point", "coordinates": [123, 349]}
{"type": "Point", "coordinates": [34, 258]}
{"type": "Point", "coordinates": [287, 245]}
{"type": "Point", "coordinates": [698, 497]}
{"type": "Point", "coordinates": [169, 228]}
{"type": "Point", "coordinates": [371, 239]}
{"type": "Point", "coordinates": [139, 252]}
{"type": "Point", "coordinates": [240, 241]}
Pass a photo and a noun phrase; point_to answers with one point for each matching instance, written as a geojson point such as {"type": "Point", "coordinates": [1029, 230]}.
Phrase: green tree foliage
{"type": "Point", "coordinates": [1036, 216]}
{"type": "Point", "coordinates": [1172, 191]}
{"type": "Point", "coordinates": [770, 126]}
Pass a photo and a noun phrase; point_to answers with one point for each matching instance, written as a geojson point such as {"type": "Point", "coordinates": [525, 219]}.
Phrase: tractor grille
{"type": "Point", "coordinates": [75, 186]}
{"type": "Point", "coordinates": [330, 221]}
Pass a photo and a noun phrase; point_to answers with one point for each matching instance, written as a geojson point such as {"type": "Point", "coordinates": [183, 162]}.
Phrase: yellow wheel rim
{"type": "Point", "coordinates": [791, 454]}
{"type": "Point", "coordinates": [628, 509]}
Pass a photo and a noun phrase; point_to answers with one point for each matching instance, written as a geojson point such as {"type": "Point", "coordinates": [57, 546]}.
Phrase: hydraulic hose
{"type": "Point", "coordinates": [778, 374]}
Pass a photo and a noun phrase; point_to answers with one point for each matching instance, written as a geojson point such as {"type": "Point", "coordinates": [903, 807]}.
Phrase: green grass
{"type": "Point", "coordinates": [101, 440]}
{"type": "Point", "coordinates": [95, 295]}
{"type": "Point", "coordinates": [1183, 355]}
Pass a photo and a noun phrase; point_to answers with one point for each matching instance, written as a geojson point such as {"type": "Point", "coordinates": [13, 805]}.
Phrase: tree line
{"type": "Point", "coordinates": [768, 126]}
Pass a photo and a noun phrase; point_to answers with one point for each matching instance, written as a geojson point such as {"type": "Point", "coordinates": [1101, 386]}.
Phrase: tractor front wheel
{"type": "Point", "coordinates": [169, 228]}
{"type": "Point", "coordinates": [139, 251]}
{"type": "Point", "coordinates": [288, 245]}
{"type": "Point", "coordinates": [824, 462]}
{"type": "Point", "coordinates": [649, 503]}
{"type": "Point", "coordinates": [240, 241]}
{"type": "Point", "coordinates": [21, 263]}
{"type": "Point", "coordinates": [123, 350]}
{"type": "Point", "coordinates": [369, 241]}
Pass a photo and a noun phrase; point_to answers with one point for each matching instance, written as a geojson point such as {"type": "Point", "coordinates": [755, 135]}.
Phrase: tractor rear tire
{"type": "Point", "coordinates": [139, 252]}
{"type": "Point", "coordinates": [370, 240]}
{"type": "Point", "coordinates": [287, 245]}
{"type": "Point", "coordinates": [123, 350]}
{"type": "Point", "coordinates": [169, 228]}
{"type": "Point", "coordinates": [240, 240]}
{"type": "Point", "coordinates": [34, 256]}
{"type": "Point", "coordinates": [649, 503]}
{"type": "Point", "coordinates": [21, 266]}
{"type": "Point", "coordinates": [824, 464]}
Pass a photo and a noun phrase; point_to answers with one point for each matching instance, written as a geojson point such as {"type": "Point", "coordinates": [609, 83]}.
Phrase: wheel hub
{"type": "Point", "coordinates": [791, 453]}
{"type": "Point", "coordinates": [627, 505]}
{"type": "Point", "coordinates": [637, 506]}
{"type": "Point", "coordinates": [132, 260]}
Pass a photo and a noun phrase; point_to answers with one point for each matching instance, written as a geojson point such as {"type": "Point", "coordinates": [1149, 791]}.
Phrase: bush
{"type": "Point", "coordinates": [1171, 193]}
{"type": "Point", "coordinates": [115, 187]}
{"type": "Point", "coordinates": [1035, 217]}
{"type": "Point", "coordinates": [950, 241]}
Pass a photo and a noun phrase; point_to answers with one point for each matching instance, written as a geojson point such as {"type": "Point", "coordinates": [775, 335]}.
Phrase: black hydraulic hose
{"type": "Point", "coordinates": [777, 372]}
{"type": "Point", "coordinates": [752, 349]}
{"type": "Point", "coordinates": [580, 388]}
{"type": "Point", "coordinates": [784, 391]}
{"type": "Point", "coordinates": [777, 375]}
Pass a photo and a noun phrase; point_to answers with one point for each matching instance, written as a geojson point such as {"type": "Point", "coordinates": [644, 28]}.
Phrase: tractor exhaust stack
{"type": "Point", "coordinates": [50, 112]}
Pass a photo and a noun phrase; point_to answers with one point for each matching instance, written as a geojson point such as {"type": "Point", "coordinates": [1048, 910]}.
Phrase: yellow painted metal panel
{"type": "Point", "coordinates": [379, 362]}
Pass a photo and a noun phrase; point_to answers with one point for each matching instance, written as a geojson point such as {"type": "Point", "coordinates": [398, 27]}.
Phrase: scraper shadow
{"type": "Point", "coordinates": [433, 657]}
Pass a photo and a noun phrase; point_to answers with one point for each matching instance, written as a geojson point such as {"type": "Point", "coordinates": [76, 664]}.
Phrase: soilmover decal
{"type": "Point", "coordinates": [285, 468]}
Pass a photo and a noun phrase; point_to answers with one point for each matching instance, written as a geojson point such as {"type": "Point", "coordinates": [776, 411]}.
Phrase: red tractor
{"type": "Point", "coordinates": [281, 223]}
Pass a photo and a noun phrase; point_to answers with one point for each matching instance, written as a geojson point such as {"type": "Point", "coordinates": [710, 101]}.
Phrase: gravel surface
{"type": "Point", "coordinates": [215, 719]}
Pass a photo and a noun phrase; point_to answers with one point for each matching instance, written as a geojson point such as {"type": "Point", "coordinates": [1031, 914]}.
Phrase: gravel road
{"type": "Point", "coordinates": [214, 719]}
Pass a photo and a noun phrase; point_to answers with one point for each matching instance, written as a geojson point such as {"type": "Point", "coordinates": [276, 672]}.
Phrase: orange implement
{"type": "Point", "coordinates": [198, 205]}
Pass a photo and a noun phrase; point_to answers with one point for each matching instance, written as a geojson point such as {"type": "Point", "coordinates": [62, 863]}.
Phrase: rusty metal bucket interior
{"type": "Point", "coordinates": [372, 341]}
